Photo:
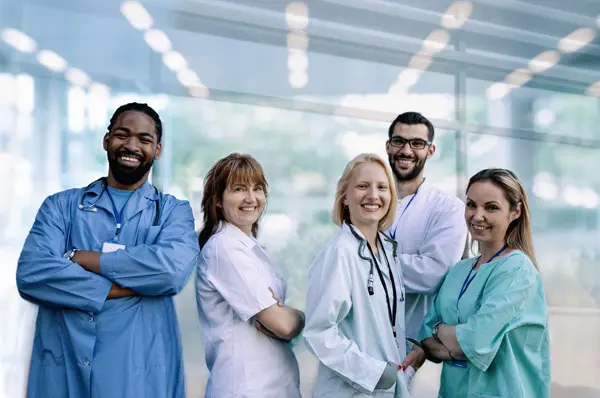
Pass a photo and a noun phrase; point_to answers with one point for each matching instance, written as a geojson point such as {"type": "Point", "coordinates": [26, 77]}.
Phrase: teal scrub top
{"type": "Point", "coordinates": [502, 327]}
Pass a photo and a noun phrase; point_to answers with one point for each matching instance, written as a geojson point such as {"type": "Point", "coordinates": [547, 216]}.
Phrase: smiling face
{"type": "Point", "coordinates": [131, 147]}
{"type": "Point", "coordinates": [368, 195]}
{"type": "Point", "coordinates": [243, 204]}
{"type": "Point", "coordinates": [407, 162]}
{"type": "Point", "coordinates": [488, 213]}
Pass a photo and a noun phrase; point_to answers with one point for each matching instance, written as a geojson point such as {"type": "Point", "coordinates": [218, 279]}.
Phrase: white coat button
{"type": "Point", "coordinates": [91, 320]}
{"type": "Point", "coordinates": [86, 363]}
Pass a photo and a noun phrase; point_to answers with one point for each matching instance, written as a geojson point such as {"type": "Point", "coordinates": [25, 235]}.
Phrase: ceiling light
{"type": "Point", "coordinates": [297, 61]}
{"type": "Point", "coordinates": [298, 79]}
{"type": "Point", "coordinates": [296, 15]}
{"type": "Point", "coordinates": [297, 41]}
{"type": "Point", "coordinates": [420, 61]}
{"type": "Point", "coordinates": [436, 41]}
{"type": "Point", "coordinates": [497, 91]}
{"type": "Point", "coordinates": [188, 77]}
{"type": "Point", "coordinates": [52, 60]}
{"type": "Point", "coordinates": [174, 61]}
{"type": "Point", "coordinates": [594, 89]}
{"type": "Point", "coordinates": [157, 40]}
{"type": "Point", "coordinates": [137, 15]}
{"type": "Point", "coordinates": [18, 40]}
{"type": "Point", "coordinates": [544, 61]}
{"type": "Point", "coordinates": [518, 77]}
{"type": "Point", "coordinates": [576, 40]}
{"type": "Point", "coordinates": [457, 14]}
{"type": "Point", "coordinates": [199, 91]}
{"type": "Point", "coordinates": [409, 77]}
{"type": "Point", "coordinates": [77, 77]}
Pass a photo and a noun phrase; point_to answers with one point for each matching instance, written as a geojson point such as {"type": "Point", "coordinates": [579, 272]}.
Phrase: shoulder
{"type": "Point", "coordinates": [170, 203]}
{"type": "Point", "coordinates": [221, 243]}
{"type": "Point", "coordinates": [64, 199]}
{"type": "Point", "coordinates": [466, 263]}
{"type": "Point", "coordinates": [341, 244]}
{"type": "Point", "coordinates": [517, 265]}
{"type": "Point", "coordinates": [445, 202]}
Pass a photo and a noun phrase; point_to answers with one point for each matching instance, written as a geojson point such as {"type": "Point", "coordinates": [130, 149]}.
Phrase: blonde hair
{"type": "Point", "coordinates": [518, 235]}
{"type": "Point", "coordinates": [340, 212]}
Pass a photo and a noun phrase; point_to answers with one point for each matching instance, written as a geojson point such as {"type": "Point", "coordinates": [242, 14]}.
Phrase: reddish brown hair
{"type": "Point", "coordinates": [231, 170]}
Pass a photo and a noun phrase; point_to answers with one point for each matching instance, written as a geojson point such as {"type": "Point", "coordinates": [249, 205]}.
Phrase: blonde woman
{"type": "Point", "coordinates": [489, 321]}
{"type": "Point", "coordinates": [355, 299]}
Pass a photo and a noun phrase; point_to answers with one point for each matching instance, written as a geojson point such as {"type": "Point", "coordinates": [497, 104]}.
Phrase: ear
{"type": "Point", "coordinates": [387, 146]}
{"type": "Point", "coordinates": [158, 150]}
{"type": "Point", "coordinates": [431, 151]}
{"type": "Point", "coordinates": [516, 213]}
{"type": "Point", "coordinates": [105, 141]}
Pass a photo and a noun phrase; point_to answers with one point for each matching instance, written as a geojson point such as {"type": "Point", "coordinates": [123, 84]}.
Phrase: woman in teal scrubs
{"type": "Point", "coordinates": [489, 321]}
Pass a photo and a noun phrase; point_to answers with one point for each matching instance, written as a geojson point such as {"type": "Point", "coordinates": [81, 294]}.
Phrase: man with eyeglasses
{"type": "Point", "coordinates": [429, 227]}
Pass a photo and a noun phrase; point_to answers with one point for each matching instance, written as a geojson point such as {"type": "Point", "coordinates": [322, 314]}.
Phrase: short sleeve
{"type": "Point", "coordinates": [236, 276]}
{"type": "Point", "coordinates": [504, 300]}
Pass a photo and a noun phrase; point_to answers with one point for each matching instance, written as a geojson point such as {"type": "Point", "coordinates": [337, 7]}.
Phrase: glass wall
{"type": "Point", "coordinates": [304, 87]}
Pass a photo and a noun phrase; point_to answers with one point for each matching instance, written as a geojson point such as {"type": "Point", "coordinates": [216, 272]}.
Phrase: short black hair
{"type": "Point", "coordinates": [136, 106]}
{"type": "Point", "coordinates": [412, 118]}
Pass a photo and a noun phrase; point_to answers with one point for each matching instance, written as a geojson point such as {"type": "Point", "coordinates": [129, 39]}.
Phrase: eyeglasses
{"type": "Point", "coordinates": [415, 143]}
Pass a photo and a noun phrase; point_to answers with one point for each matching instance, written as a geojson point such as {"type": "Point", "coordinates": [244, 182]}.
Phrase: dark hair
{"type": "Point", "coordinates": [136, 106]}
{"type": "Point", "coordinates": [518, 235]}
{"type": "Point", "coordinates": [412, 118]}
{"type": "Point", "coordinates": [227, 172]}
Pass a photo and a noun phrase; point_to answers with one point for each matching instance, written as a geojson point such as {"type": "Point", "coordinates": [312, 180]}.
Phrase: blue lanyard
{"type": "Point", "coordinates": [118, 214]}
{"type": "Point", "coordinates": [470, 278]}
{"type": "Point", "coordinates": [393, 233]}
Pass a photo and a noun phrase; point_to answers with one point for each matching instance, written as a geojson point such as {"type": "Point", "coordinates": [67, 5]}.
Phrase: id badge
{"type": "Point", "coordinates": [108, 247]}
{"type": "Point", "coordinates": [459, 363]}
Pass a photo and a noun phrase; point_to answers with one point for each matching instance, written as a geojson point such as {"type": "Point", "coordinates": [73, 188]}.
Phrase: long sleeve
{"type": "Point", "coordinates": [504, 299]}
{"type": "Point", "coordinates": [45, 278]}
{"type": "Point", "coordinates": [443, 247]}
{"type": "Point", "coordinates": [430, 320]}
{"type": "Point", "coordinates": [162, 268]}
{"type": "Point", "coordinates": [328, 303]}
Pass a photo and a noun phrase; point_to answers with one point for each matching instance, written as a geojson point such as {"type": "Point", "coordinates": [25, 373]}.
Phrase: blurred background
{"type": "Point", "coordinates": [305, 86]}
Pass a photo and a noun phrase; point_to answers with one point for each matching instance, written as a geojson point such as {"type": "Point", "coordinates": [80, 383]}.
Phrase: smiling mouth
{"type": "Point", "coordinates": [479, 228]}
{"type": "Point", "coordinates": [371, 207]}
{"type": "Point", "coordinates": [248, 209]}
{"type": "Point", "coordinates": [131, 161]}
{"type": "Point", "coordinates": [405, 162]}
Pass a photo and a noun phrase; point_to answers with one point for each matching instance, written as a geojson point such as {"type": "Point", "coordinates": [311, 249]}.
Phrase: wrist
{"type": "Point", "coordinates": [70, 255]}
{"type": "Point", "coordinates": [436, 330]}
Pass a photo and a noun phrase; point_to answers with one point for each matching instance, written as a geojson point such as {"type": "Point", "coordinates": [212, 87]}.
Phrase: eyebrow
{"type": "Point", "coordinates": [491, 202]}
{"type": "Point", "coordinates": [128, 131]}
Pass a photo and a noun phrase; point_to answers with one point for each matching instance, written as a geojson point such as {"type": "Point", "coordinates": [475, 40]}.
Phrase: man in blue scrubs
{"type": "Point", "coordinates": [103, 263]}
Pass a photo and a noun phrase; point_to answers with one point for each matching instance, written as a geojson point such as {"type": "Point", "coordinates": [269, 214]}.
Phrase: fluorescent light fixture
{"type": "Point", "coordinates": [136, 14]}
{"type": "Point", "coordinates": [518, 77]}
{"type": "Point", "coordinates": [7, 89]}
{"type": "Point", "coordinates": [298, 79]}
{"type": "Point", "coordinates": [457, 14]}
{"type": "Point", "coordinates": [297, 61]}
{"type": "Point", "coordinates": [436, 41]}
{"type": "Point", "coordinates": [544, 61]}
{"type": "Point", "coordinates": [77, 77]}
{"type": "Point", "coordinates": [497, 91]}
{"type": "Point", "coordinates": [188, 78]}
{"type": "Point", "coordinates": [199, 91]}
{"type": "Point", "coordinates": [98, 101]}
{"type": "Point", "coordinates": [174, 61]}
{"type": "Point", "coordinates": [76, 104]}
{"type": "Point", "coordinates": [420, 61]}
{"type": "Point", "coordinates": [576, 40]}
{"type": "Point", "coordinates": [157, 40]}
{"type": "Point", "coordinates": [409, 77]}
{"type": "Point", "coordinates": [397, 89]}
{"type": "Point", "coordinates": [296, 15]}
{"type": "Point", "coordinates": [19, 40]}
{"type": "Point", "coordinates": [52, 60]}
{"type": "Point", "coordinates": [297, 41]}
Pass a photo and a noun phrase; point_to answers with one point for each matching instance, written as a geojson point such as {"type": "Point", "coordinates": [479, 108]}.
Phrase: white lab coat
{"type": "Point", "coordinates": [232, 285]}
{"type": "Point", "coordinates": [347, 329]}
{"type": "Point", "coordinates": [431, 235]}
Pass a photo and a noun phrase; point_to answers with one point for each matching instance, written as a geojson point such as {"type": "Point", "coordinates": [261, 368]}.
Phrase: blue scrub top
{"type": "Point", "coordinates": [84, 344]}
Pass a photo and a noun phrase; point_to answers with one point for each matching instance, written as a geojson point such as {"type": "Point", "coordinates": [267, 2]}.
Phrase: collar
{"type": "Point", "coordinates": [388, 243]}
{"type": "Point", "coordinates": [96, 189]}
{"type": "Point", "coordinates": [233, 231]}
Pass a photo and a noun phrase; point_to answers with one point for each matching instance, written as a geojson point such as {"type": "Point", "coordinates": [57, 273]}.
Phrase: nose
{"type": "Point", "coordinates": [132, 144]}
{"type": "Point", "coordinates": [479, 215]}
{"type": "Point", "coordinates": [250, 195]}
{"type": "Point", "coordinates": [372, 192]}
{"type": "Point", "coordinates": [406, 150]}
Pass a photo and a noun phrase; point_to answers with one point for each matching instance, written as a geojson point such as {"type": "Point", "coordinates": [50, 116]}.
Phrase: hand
{"type": "Point", "coordinates": [265, 331]}
{"type": "Point", "coordinates": [415, 358]}
{"type": "Point", "coordinates": [279, 303]}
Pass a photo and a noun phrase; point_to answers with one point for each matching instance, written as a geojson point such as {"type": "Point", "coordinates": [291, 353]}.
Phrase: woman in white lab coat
{"type": "Point", "coordinates": [241, 298]}
{"type": "Point", "coordinates": [355, 299]}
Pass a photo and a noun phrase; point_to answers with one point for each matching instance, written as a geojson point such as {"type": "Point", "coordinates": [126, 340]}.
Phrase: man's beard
{"type": "Point", "coordinates": [414, 173]}
{"type": "Point", "coordinates": [127, 175]}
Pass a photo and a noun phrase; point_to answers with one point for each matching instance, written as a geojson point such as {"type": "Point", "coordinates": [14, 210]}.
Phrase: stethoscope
{"type": "Point", "coordinates": [92, 206]}
{"type": "Point", "coordinates": [374, 264]}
